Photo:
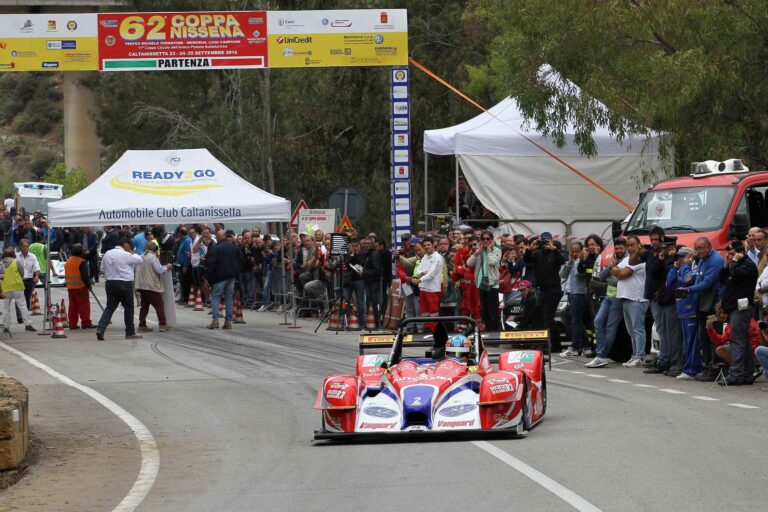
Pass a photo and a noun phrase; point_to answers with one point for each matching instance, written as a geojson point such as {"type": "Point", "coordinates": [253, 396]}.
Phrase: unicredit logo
{"type": "Point", "coordinates": [294, 40]}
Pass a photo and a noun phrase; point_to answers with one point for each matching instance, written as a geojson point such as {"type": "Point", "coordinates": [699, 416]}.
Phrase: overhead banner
{"type": "Point", "coordinates": [182, 40]}
{"type": "Point", "coordinates": [361, 37]}
{"type": "Point", "coordinates": [48, 42]}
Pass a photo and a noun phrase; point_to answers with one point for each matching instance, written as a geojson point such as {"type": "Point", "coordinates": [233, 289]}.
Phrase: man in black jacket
{"type": "Point", "coordinates": [352, 276]}
{"type": "Point", "coordinates": [546, 262]}
{"type": "Point", "coordinates": [531, 317]}
{"type": "Point", "coordinates": [739, 277]}
{"type": "Point", "coordinates": [223, 263]}
{"type": "Point", "coordinates": [371, 277]}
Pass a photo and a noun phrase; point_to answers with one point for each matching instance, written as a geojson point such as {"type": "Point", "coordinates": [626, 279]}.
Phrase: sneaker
{"type": "Point", "coordinates": [214, 324]}
{"type": "Point", "coordinates": [29, 328]}
{"type": "Point", "coordinates": [227, 325]}
{"type": "Point", "coordinates": [684, 376]}
{"type": "Point", "coordinates": [597, 362]}
{"type": "Point", "coordinates": [634, 362]}
{"type": "Point", "coordinates": [262, 309]}
{"type": "Point", "coordinates": [134, 336]}
{"type": "Point", "coordinates": [569, 352]}
{"type": "Point", "coordinates": [165, 328]}
{"type": "Point", "coordinates": [99, 336]}
{"type": "Point", "coordinates": [144, 328]}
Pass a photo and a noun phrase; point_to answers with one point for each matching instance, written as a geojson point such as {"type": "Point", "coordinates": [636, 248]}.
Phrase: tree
{"type": "Point", "coordinates": [74, 180]}
{"type": "Point", "coordinates": [696, 70]}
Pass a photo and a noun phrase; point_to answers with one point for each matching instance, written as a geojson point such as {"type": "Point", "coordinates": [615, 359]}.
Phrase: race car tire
{"type": "Point", "coordinates": [527, 407]}
{"type": "Point", "coordinates": [543, 390]}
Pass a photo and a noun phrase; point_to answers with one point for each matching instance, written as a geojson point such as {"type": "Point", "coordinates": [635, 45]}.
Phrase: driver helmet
{"type": "Point", "coordinates": [457, 346]}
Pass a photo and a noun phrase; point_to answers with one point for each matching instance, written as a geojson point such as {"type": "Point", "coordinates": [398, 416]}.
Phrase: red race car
{"type": "Point", "coordinates": [451, 388]}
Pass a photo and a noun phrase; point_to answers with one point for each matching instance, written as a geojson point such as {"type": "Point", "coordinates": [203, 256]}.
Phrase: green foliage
{"type": "Point", "coordinates": [74, 180]}
{"type": "Point", "coordinates": [40, 158]}
{"type": "Point", "coordinates": [689, 68]}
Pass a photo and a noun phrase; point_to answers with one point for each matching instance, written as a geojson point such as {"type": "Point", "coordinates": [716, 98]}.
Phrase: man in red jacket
{"type": "Point", "coordinates": [470, 297]}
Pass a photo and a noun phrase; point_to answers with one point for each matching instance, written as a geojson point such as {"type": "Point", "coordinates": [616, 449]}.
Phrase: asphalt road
{"type": "Point", "coordinates": [231, 413]}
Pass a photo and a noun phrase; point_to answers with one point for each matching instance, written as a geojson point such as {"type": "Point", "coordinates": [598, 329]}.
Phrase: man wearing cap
{"type": "Point", "coordinates": [429, 278]}
{"type": "Point", "coordinates": [118, 265]}
{"type": "Point", "coordinates": [531, 317]}
{"type": "Point", "coordinates": [222, 264]}
{"type": "Point", "coordinates": [78, 282]}
{"type": "Point", "coordinates": [546, 263]}
{"type": "Point", "coordinates": [150, 286]}
{"type": "Point", "coordinates": [738, 278]}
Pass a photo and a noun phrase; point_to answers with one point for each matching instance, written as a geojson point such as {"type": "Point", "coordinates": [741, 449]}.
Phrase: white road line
{"type": "Point", "coordinates": [150, 456]}
{"type": "Point", "coordinates": [706, 398]}
{"type": "Point", "coordinates": [558, 370]}
{"type": "Point", "coordinates": [672, 391]}
{"type": "Point", "coordinates": [744, 406]}
{"type": "Point", "coordinates": [578, 373]}
{"type": "Point", "coordinates": [540, 478]}
{"type": "Point", "coordinates": [645, 385]}
{"type": "Point", "coordinates": [619, 381]}
{"type": "Point", "coordinates": [596, 376]}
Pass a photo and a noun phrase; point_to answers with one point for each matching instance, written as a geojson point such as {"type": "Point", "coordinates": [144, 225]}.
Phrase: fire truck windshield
{"type": "Point", "coordinates": [690, 209]}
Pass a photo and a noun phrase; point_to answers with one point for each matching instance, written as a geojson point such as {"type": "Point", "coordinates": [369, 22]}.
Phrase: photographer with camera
{"type": "Point", "coordinates": [545, 262]}
{"type": "Point", "coordinates": [739, 277]}
{"type": "Point", "coordinates": [663, 307]}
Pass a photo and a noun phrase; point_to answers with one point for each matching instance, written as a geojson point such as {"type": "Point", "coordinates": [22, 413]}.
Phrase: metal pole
{"type": "Point", "coordinates": [47, 287]}
{"type": "Point", "coordinates": [458, 217]}
{"type": "Point", "coordinates": [426, 196]}
{"type": "Point", "coordinates": [282, 272]}
{"type": "Point", "coordinates": [346, 200]}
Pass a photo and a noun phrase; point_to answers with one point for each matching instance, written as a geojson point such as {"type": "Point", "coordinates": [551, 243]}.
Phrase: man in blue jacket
{"type": "Point", "coordinates": [183, 263]}
{"type": "Point", "coordinates": [709, 263]}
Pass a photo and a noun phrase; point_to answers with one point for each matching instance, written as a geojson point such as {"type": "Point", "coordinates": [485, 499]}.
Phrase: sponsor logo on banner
{"type": "Point", "coordinates": [110, 40]}
{"type": "Point", "coordinates": [402, 187]}
{"type": "Point", "coordinates": [400, 75]}
{"type": "Point", "coordinates": [50, 65]}
{"type": "Point", "coordinates": [166, 183]}
{"type": "Point", "coordinates": [401, 155]}
{"type": "Point", "coordinates": [108, 23]}
{"type": "Point", "coordinates": [28, 27]}
{"type": "Point", "coordinates": [53, 45]}
{"type": "Point", "coordinates": [51, 25]}
{"type": "Point", "coordinates": [400, 107]}
{"type": "Point", "coordinates": [401, 171]}
{"type": "Point", "coordinates": [401, 139]}
{"type": "Point", "coordinates": [71, 25]}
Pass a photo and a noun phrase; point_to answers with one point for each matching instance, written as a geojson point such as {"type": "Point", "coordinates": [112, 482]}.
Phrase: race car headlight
{"type": "Point", "coordinates": [380, 412]}
{"type": "Point", "coordinates": [457, 410]}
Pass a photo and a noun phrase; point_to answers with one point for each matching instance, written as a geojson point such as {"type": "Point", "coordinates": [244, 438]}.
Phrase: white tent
{"type": "Point", "coordinates": [168, 187]}
{"type": "Point", "coordinates": [517, 180]}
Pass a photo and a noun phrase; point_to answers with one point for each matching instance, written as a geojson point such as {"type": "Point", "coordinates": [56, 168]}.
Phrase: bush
{"type": "Point", "coordinates": [39, 117]}
{"type": "Point", "coordinates": [41, 158]}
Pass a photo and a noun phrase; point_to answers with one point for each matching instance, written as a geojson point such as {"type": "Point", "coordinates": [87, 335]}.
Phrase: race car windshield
{"type": "Point", "coordinates": [682, 210]}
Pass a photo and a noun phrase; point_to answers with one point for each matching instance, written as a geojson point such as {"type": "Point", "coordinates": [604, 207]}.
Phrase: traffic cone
{"type": "Point", "coordinates": [35, 304]}
{"type": "Point", "coordinates": [334, 320]}
{"type": "Point", "coordinates": [370, 319]}
{"type": "Point", "coordinates": [198, 302]}
{"type": "Point", "coordinates": [63, 314]}
{"type": "Point", "coordinates": [191, 298]}
{"type": "Point", "coordinates": [238, 313]}
{"type": "Point", "coordinates": [354, 322]}
{"type": "Point", "coordinates": [58, 324]}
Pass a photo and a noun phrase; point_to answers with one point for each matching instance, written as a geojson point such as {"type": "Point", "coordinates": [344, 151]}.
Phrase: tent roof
{"type": "Point", "coordinates": [167, 187]}
{"type": "Point", "coordinates": [493, 133]}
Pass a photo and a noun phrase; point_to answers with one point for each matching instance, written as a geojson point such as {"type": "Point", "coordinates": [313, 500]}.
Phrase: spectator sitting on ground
{"type": "Point", "coordinates": [723, 341]}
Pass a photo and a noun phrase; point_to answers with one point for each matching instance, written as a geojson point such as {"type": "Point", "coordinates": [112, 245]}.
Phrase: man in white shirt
{"type": "Point", "coordinates": [430, 280]}
{"type": "Point", "coordinates": [118, 266]}
{"type": "Point", "coordinates": [630, 289]}
{"type": "Point", "coordinates": [31, 267]}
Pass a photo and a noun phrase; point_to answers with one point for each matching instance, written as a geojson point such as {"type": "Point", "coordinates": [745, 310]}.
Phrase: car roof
{"type": "Point", "coordinates": [714, 180]}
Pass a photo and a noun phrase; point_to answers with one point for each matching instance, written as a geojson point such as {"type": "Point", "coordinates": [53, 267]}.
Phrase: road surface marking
{"type": "Point", "coordinates": [596, 376]}
{"type": "Point", "coordinates": [706, 398]}
{"type": "Point", "coordinates": [744, 406]}
{"type": "Point", "coordinates": [619, 381]}
{"type": "Point", "coordinates": [558, 370]}
{"type": "Point", "coordinates": [150, 456]}
{"type": "Point", "coordinates": [645, 385]}
{"type": "Point", "coordinates": [672, 391]}
{"type": "Point", "coordinates": [578, 373]}
{"type": "Point", "coordinates": [540, 478]}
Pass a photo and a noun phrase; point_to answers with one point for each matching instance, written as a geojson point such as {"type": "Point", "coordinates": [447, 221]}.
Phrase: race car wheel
{"type": "Point", "coordinates": [527, 408]}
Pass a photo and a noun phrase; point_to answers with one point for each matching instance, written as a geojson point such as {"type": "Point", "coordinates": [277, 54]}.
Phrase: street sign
{"type": "Point", "coordinates": [295, 217]}
{"type": "Point", "coordinates": [349, 201]}
{"type": "Point", "coordinates": [344, 224]}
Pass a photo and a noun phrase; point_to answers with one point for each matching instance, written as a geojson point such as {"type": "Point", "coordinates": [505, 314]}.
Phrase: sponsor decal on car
{"type": "Point", "coordinates": [336, 394]}
{"type": "Point", "coordinates": [371, 426]}
{"type": "Point", "coordinates": [455, 423]}
{"type": "Point", "coordinates": [502, 388]}
{"type": "Point", "coordinates": [520, 357]}
{"type": "Point", "coordinates": [457, 410]}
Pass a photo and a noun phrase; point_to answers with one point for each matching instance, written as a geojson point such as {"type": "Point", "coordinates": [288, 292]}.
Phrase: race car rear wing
{"type": "Point", "coordinates": [493, 342]}
{"type": "Point", "coordinates": [497, 342]}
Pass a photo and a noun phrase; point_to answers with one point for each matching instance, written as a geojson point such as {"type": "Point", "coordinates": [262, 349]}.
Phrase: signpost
{"type": "Point", "coordinates": [310, 220]}
{"type": "Point", "coordinates": [295, 216]}
{"type": "Point", "coordinates": [401, 154]}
